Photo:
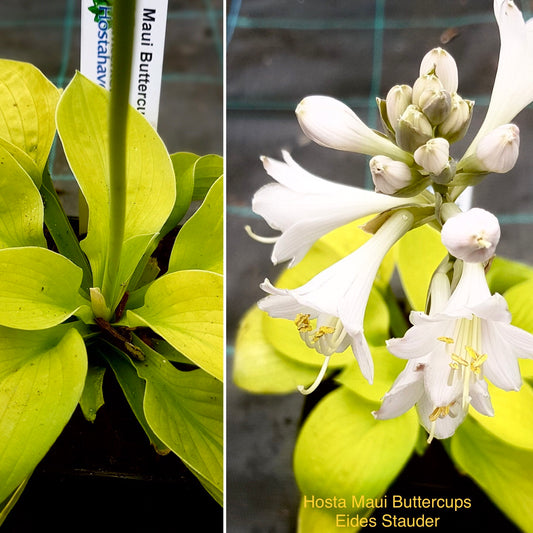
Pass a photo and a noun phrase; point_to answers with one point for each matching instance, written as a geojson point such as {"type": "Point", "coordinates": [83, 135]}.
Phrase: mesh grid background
{"type": "Point", "coordinates": [279, 52]}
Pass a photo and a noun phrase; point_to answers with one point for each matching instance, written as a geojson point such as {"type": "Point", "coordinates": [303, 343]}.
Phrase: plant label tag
{"type": "Point", "coordinates": [148, 50]}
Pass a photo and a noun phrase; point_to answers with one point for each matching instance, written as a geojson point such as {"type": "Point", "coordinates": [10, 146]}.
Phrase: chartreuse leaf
{"type": "Point", "coordinates": [92, 397]}
{"type": "Point", "coordinates": [21, 207]}
{"type": "Point", "coordinates": [28, 103]}
{"type": "Point", "coordinates": [343, 452]}
{"type": "Point", "coordinates": [207, 169]}
{"type": "Point", "coordinates": [186, 309]}
{"type": "Point", "coordinates": [199, 244]}
{"type": "Point", "coordinates": [82, 121]}
{"type": "Point", "coordinates": [504, 274]}
{"type": "Point", "coordinates": [258, 367]}
{"type": "Point", "coordinates": [416, 268]}
{"type": "Point", "coordinates": [38, 288]}
{"type": "Point", "coordinates": [504, 472]}
{"type": "Point", "coordinates": [7, 505]}
{"type": "Point", "coordinates": [133, 388]}
{"type": "Point", "coordinates": [41, 380]}
{"type": "Point", "coordinates": [183, 164]}
{"type": "Point", "coordinates": [184, 409]}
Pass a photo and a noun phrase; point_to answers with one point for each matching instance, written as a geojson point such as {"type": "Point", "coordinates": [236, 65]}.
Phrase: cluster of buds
{"type": "Point", "coordinates": [464, 334]}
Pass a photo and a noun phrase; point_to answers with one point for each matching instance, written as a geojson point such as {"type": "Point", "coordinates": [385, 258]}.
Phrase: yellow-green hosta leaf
{"type": "Point", "coordinates": [28, 103]}
{"type": "Point", "coordinates": [312, 519]}
{"type": "Point", "coordinates": [512, 416]}
{"type": "Point", "coordinates": [504, 274]}
{"type": "Point", "coordinates": [258, 367]}
{"type": "Point", "coordinates": [82, 121]}
{"type": "Point", "coordinates": [38, 288]}
{"type": "Point", "coordinates": [200, 242]}
{"type": "Point", "coordinates": [21, 207]}
{"type": "Point", "coordinates": [420, 252]}
{"type": "Point", "coordinates": [42, 376]}
{"type": "Point", "coordinates": [207, 169]}
{"type": "Point", "coordinates": [185, 410]}
{"type": "Point", "coordinates": [92, 397]}
{"type": "Point", "coordinates": [504, 472]}
{"type": "Point", "coordinates": [186, 309]}
{"type": "Point", "coordinates": [342, 451]}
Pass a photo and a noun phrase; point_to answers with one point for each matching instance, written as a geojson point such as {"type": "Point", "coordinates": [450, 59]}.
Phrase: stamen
{"type": "Point", "coordinates": [302, 322]}
{"type": "Point", "coordinates": [258, 238]}
{"type": "Point", "coordinates": [458, 359]}
{"type": "Point", "coordinates": [318, 379]}
{"type": "Point", "coordinates": [447, 340]}
{"type": "Point", "coordinates": [482, 242]}
{"type": "Point", "coordinates": [323, 330]}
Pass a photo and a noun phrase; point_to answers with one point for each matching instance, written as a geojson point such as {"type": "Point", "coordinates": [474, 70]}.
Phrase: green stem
{"type": "Point", "coordinates": [61, 231]}
{"type": "Point", "coordinates": [123, 24]}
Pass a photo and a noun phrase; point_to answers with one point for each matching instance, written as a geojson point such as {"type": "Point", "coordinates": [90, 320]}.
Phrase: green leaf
{"type": "Point", "coordinates": [504, 472]}
{"type": "Point", "coordinates": [207, 170]}
{"type": "Point", "coordinates": [200, 243]}
{"type": "Point", "coordinates": [342, 451]}
{"type": "Point", "coordinates": [28, 103]}
{"type": "Point", "coordinates": [41, 380]}
{"type": "Point", "coordinates": [185, 411]}
{"type": "Point", "coordinates": [186, 309]}
{"type": "Point", "coordinates": [314, 520]}
{"type": "Point", "coordinates": [82, 120]}
{"type": "Point", "coordinates": [260, 368]}
{"type": "Point", "coordinates": [7, 505]}
{"type": "Point", "coordinates": [416, 268]}
{"type": "Point", "coordinates": [133, 388]}
{"type": "Point", "coordinates": [92, 397]}
{"type": "Point", "coordinates": [183, 164]}
{"type": "Point", "coordinates": [38, 288]}
{"type": "Point", "coordinates": [504, 274]}
{"type": "Point", "coordinates": [21, 207]}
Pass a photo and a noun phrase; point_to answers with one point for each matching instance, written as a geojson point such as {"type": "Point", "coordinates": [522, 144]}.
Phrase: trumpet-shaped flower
{"type": "Point", "coordinates": [305, 207]}
{"type": "Point", "coordinates": [460, 345]}
{"type": "Point", "coordinates": [513, 86]}
{"type": "Point", "coordinates": [331, 123]}
{"type": "Point", "coordinates": [337, 299]}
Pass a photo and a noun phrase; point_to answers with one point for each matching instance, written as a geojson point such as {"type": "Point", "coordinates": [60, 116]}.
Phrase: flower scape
{"type": "Point", "coordinates": [462, 352]}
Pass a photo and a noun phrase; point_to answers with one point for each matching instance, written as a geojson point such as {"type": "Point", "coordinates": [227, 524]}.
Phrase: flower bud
{"type": "Point", "coordinates": [436, 105]}
{"type": "Point", "coordinates": [390, 176]}
{"type": "Point", "coordinates": [455, 125]}
{"type": "Point", "coordinates": [471, 236]}
{"type": "Point", "coordinates": [433, 156]}
{"type": "Point", "coordinates": [498, 151]}
{"type": "Point", "coordinates": [398, 99]}
{"type": "Point", "coordinates": [443, 65]}
{"type": "Point", "coordinates": [413, 130]}
{"type": "Point", "coordinates": [427, 82]}
{"type": "Point", "coordinates": [332, 124]}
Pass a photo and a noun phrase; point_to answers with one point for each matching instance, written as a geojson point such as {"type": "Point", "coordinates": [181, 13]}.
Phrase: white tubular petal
{"type": "Point", "coordinates": [445, 68]}
{"type": "Point", "coordinates": [501, 366]}
{"type": "Point", "coordinates": [363, 356]}
{"type": "Point", "coordinates": [480, 400]}
{"type": "Point", "coordinates": [443, 428]}
{"type": "Point", "coordinates": [418, 341]}
{"type": "Point", "coordinates": [281, 303]}
{"type": "Point", "coordinates": [331, 123]}
{"type": "Point", "coordinates": [471, 236]}
{"type": "Point", "coordinates": [405, 392]}
{"type": "Point", "coordinates": [471, 291]}
{"type": "Point", "coordinates": [498, 151]}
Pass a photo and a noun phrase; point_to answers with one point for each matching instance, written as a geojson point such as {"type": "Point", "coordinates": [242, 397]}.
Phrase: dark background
{"type": "Point", "coordinates": [281, 51]}
{"type": "Point", "coordinates": [105, 476]}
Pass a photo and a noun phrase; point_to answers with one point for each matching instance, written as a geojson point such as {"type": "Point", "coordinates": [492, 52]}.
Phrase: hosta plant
{"type": "Point", "coordinates": [75, 310]}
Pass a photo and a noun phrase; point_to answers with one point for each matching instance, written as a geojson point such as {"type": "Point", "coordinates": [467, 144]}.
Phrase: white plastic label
{"type": "Point", "coordinates": [148, 50]}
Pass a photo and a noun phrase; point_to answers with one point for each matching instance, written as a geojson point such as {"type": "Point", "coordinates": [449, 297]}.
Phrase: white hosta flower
{"type": "Point", "coordinates": [389, 175]}
{"type": "Point", "coordinates": [305, 207]}
{"type": "Point", "coordinates": [433, 156]}
{"type": "Point", "coordinates": [471, 236]}
{"type": "Point", "coordinates": [455, 125]}
{"type": "Point", "coordinates": [440, 61]}
{"type": "Point", "coordinates": [425, 84]}
{"type": "Point", "coordinates": [337, 299]}
{"type": "Point", "coordinates": [460, 345]}
{"type": "Point", "coordinates": [513, 86]}
{"type": "Point", "coordinates": [331, 123]}
{"type": "Point", "coordinates": [498, 151]}
{"type": "Point", "coordinates": [409, 390]}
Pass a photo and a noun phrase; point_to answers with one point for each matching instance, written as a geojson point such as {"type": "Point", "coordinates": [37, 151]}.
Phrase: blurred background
{"type": "Point", "coordinates": [106, 474]}
{"type": "Point", "coordinates": [277, 53]}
